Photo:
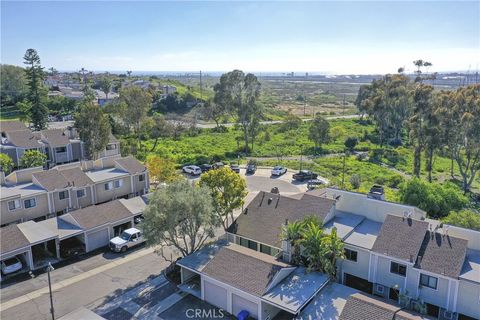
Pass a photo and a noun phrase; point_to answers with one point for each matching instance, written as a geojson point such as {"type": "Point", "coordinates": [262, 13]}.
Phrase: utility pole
{"type": "Point", "coordinates": [343, 170]}
{"type": "Point", "coordinates": [343, 112]}
{"type": "Point", "coordinates": [301, 156]}
{"type": "Point", "coordinates": [52, 311]}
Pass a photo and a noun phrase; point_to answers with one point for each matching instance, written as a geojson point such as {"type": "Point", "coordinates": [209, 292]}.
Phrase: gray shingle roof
{"type": "Point", "coordinates": [400, 238]}
{"type": "Point", "coordinates": [55, 137]}
{"type": "Point", "coordinates": [131, 164]}
{"type": "Point", "coordinates": [242, 271]}
{"type": "Point", "coordinates": [76, 176]}
{"type": "Point", "coordinates": [11, 238]}
{"type": "Point", "coordinates": [23, 139]}
{"type": "Point", "coordinates": [262, 220]}
{"type": "Point", "coordinates": [97, 215]}
{"type": "Point", "coordinates": [443, 255]}
{"type": "Point", "coordinates": [12, 125]}
{"type": "Point", "coordinates": [362, 307]}
{"type": "Point", "coordinates": [51, 180]}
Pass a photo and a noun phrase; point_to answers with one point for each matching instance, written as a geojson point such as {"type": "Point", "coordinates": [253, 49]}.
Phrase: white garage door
{"type": "Point", "coordinates": [239, 304]}
{"type": "Point", "coordinates": [97, 239]}
{"type": "Point", "coordinates": [215, 295]}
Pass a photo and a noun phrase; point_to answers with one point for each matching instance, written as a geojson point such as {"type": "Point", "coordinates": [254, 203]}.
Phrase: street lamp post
{"type": "Point", "coordinates": [49, 269]}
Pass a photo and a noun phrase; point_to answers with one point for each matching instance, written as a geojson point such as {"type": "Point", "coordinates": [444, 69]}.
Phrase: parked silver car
{"type": "Point", "coordinates": [11, 265]}
{"type": "Point", "coordinates": [193, 170]}
{"type": "Point", "coordinates": [129, 238]}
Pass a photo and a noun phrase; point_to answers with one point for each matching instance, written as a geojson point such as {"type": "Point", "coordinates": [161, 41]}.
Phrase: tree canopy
{"type": "Point", "coordinates": [181, 216]}
{"type": "Point", "coordinates": [32, 158]}
{"type": "Point", "coordinates": [36, 95]}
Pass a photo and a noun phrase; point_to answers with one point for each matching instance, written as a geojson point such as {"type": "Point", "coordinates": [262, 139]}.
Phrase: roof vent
{"type": "Point", "coordinates": [376, 192]}
{"type": "Point", "coordinates": [275, 190]}
{"type": "Point", "coordinates": [270, 200]}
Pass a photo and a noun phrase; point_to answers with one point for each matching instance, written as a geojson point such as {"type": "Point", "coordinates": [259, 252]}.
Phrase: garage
{"type": "Point", "coordinates": [97, 239]}
{"type": "Point", "coordinates": [239, 304]}
{"type": "Point", "coordinates": [357, 283]}
{"type": "Point", "coordinates": [215, 295]}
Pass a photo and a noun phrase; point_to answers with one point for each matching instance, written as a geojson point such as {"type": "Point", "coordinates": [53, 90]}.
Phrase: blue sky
{"type": "Point", "coordinates": [334, 37]}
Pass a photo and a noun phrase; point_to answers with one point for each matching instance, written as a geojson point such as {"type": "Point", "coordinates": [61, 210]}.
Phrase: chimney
{"type": "Point", "coordinates": [270, 200]}
{"type": "Point", "coordinates": [431, 232]}
{"type": "Point", "coordinates": [278, 199]}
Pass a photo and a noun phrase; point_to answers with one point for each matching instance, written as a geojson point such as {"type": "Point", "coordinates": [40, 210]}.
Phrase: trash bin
{"type": "Point", "coordinates": [243, 315]}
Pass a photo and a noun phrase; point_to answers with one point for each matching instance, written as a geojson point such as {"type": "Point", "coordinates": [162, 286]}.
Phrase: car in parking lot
{"type": "Point", "coordinates": [11, 265]}
{"type": "Point", "coordinates": [278, 171]}
{"type": "Point", "coordinates": [303, 175]}
{"type": "Point", "coordinates": [251, 168]}
{"type": "Point", "coordinates": [127, 239]}
{"type": "Point", "coordinates": [193, 170]}
{"type": "Point", "coordinates": [235, 168]}
{"type": "Point", "coordinates": [205, 167]}
{"type": "Point", "coordinates": [218, 165]}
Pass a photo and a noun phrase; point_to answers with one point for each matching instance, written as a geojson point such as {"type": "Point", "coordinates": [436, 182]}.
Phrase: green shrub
{"type": "Point", "coordinates": [436, 199]}
{"type": "Point", "coordinates": [465, 218]}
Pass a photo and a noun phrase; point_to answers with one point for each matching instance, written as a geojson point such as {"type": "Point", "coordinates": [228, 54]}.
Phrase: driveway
{"type": "Point", "coordinates": [191, 307]}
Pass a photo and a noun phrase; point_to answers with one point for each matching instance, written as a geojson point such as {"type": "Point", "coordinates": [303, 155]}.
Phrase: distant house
{"type": "Point", "coordinates": [60, 146]}
{"type": "Point", "coordinates": [102, 99]}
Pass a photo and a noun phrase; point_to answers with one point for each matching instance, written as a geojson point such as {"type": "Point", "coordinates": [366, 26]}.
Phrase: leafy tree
{"type": "Point", "coordinates": [332, 250]}
{"type": "Point", "coordinates": [93, 127]}
{"type": "Point", "coordinates": [238, 93]}
{"type": "Point", "coordinates": [13, 85]}
{"type": "Point", "coordinates": [319, 131]}
{"type": "Point", "coordinates": [32, 158]}
{"type": "Point", "coordinates": [312, 244]}
{"type": "Point", "coordinates": [160, 128]}
{"type": "Point", "coordinates": [179, 215]}
{"type": "Point", "coordinates": [162, 170]}
{"type": "Point", "coordinates": [6, 163]}
{"type": "Point", "coordinates": [137, 102]}
{"type": "Point", "coordinates": [337, 132]}
{"type": "Point", "coordinates": [291, 122]}
{"type": "Point", "coordinates": [436, 199]}
{"type": "Point", "coordinates": [38, 111]}
{"type": "Point", "coordinates": [355, 181]}
{"type": "Point", "coordinates": [228, 190]}
{"type": "Point", "coordinates": [106, 85]}
{"type": "Point", "coordinates": [464, 218]}
{"type": "Point", "coordinates": [61, 105]}
{"type": "Point", "coordinates": [351, 143]}
{"type": "Point", "coordinates": [213, 111]}
{"type": "Point", "coordinates": [465, 136]}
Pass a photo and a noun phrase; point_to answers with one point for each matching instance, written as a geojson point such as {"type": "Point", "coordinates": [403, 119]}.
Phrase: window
{"type": "Point", "coordinates": [81, 193]}
{"type": "Point", "coordinates": [13, 205]}
{"type": "Point", "coordinates": [248, 244]}
{"type": "Point", "coordinates": [265, 249]}
{"type": "Point", "coordinates": [109, 185]}
{"type": "Point", "coordinates": [351, 255]}
{"type": "Point", "coordinates": [399, 269]}
{"type": "Point", "coordinates": [428, 281]}
{"type": "Point", "coordinates": [141, 177]}
{"type": "Point", "coordinates": [118, 183]}
{"type": "Point", "coordinates": [60, 149]}
{"type": "Point", "coordinates": [111, 146]}
{"type": "Point", "coordinates": [63, 195]}
{"type": "Point", "coordinates": [29, 203]}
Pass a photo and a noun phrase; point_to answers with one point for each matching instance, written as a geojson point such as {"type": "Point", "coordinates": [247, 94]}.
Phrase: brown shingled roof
{"type": "Point", "coordinates": [400, 238]}
{"type": "Point", "coordinates": [443, 255]}
{"type": "Point", "coordinates": [76, 176]}
{"type": "Point", "coordinates": [51, 180]}
{"type": "Point", "coordinates": [242, 271]}
{"type": "Point", "coordinates": [131, 165]}
{"type": "Point", "coordinates": [262, 220]}
{"type": "Point", "coordinates": [362, 307]}
{"type": "Point", "coordinates": [12, 238]}
{"type": "Point", "coordinates": [23, 139]}
{"type": "Point", "coordinates": [12, 125]}
{"type": "Point", "coordinates": [97, 215]}
{"type": "Point", "coordinates": [55, 137]}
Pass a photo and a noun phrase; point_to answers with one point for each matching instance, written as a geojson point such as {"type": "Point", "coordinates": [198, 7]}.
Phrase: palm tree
{"type": "Point", "coordinates": [332, 250]}
{"type": "Point", "coordinates": [312, 243]}
{"type": "Point", "coordinates": [293, 232]}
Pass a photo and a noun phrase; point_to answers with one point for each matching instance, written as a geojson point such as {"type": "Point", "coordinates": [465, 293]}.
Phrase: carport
{"type": "Point", "coordinates": [13, 243]}
{"type": "Point", "coordinates": [70, 234]}
{"type": "Point", "coordinates": [44, 243]}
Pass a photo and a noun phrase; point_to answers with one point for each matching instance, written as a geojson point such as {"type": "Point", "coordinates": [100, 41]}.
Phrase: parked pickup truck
{"type": "Point", "coordinates": [129, 238]}
{"type": "Point", "coordinates": [305, 175]}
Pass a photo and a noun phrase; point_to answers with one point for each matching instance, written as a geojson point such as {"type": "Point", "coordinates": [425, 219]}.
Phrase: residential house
{"type": "Point", "coordinates": [37, 194]}
{"type": "Point", "coordinates": [391, 250]}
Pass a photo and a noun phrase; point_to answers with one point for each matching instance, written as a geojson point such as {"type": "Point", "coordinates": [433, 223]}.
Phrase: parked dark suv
{"type": "Point", "coordinates": [235, 168]}
{"type": "Point", "coordinates": [206, 167]}
{"type": "Point", "coordinates": [251, 168]}
{"type": "Point", "coordinates": [305, 175]}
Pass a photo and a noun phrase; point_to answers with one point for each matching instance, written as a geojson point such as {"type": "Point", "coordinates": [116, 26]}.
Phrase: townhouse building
{"type": "Point", "coordinates": [60, 146]}
{"type": "Point", "coordinates": [37, 194]}
{"type": "Point", "coordinates": [393, 251]}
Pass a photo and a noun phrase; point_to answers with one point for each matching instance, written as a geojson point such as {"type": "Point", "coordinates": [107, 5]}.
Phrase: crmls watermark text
{"type": "Point", "coordinates": [205, 313]}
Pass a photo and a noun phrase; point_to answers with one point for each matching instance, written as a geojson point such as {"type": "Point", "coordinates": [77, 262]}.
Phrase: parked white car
{"type": "Point", "coordinates": [11, 265]}
{"type": "Point", "coordinates": [193, 170]}
{"type": "Point", "coordinates": [129, 238]}
{"type": "Point", "coordinates": [278, 171]}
